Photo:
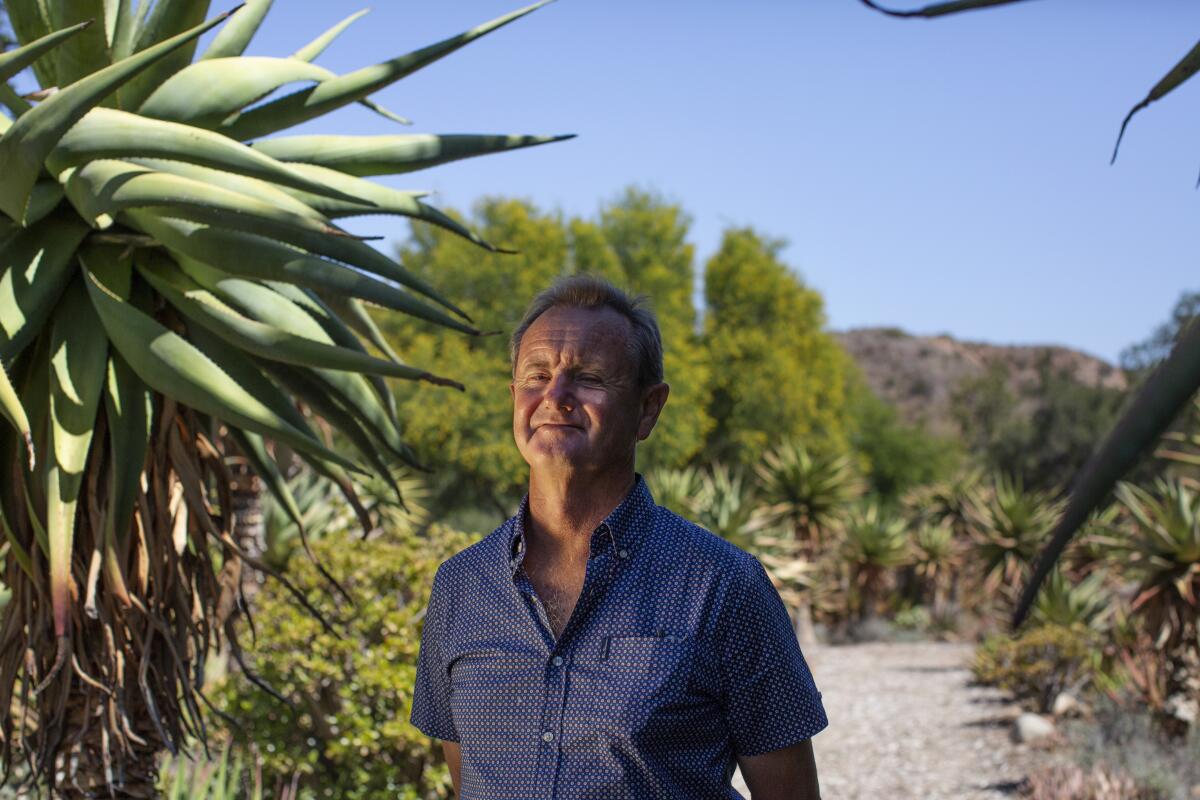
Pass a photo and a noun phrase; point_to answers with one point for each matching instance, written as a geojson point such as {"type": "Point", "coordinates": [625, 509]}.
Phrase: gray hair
{"type": "Point", "coordinates": [590, 291]}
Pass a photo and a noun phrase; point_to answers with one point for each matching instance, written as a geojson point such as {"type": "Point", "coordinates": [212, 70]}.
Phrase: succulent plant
{"type": "Point", "coordinates": [167, 289]}
{"type": "Point", "coordinates": [805, 491]}
{"type": "Point", "coordinates": [874, 541]}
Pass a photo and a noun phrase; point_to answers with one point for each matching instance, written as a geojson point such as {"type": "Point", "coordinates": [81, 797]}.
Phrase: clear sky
{"type": "Point", "coordinates": [942, 176]}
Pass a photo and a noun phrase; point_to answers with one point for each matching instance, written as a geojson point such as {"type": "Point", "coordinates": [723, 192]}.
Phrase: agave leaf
{"type": "Point", "coordinates": [383, 200]}
{"type": "Point", "coordinates": [354, 313]}
{"type": "Point", "coordinates": [263, 340]}
{"type": "Point", "coordinates": [1188, 66]}
{"type": "Point", "coordinates": [78, 354]}
{"type": "Point", "coordinates": [30, 21]}
{"type": "Point", "coordinates": [13, 102]}
{"type": "Point", "coordinates": [316, 394]}
{"type": "Point", "coordinates": [940, 9]}
{"type": "Point", "coordinates": [166, 19]}
{"type": "Point", "coordinates": [251, 187]}
{"type": "Point", "coordinates": [332, 94]}
{"type": "Point", "coordinates": [35, 265]}
{"type": "Point", "coordinates": [1161, 398]}
{"type": "Point", "coordinates": [11, 408]}
{"type": "Point", "coordinates": [128, 409]}
{"type": "Point", "coordinates": [121, 25]}
{"type": "Point", "coordinates": [107, 134]}
{"type": "Point", "coordinates": [237, 33]}
{"type": "Point", "coordinates": [364, 156]}
{"type": "Point", "coordinates": [256, 257]}
{"type": "Point", "coordinates": [83, 54]}
{"type": "Point", "coordinates": [206, 92]}
{"type": "Point", "coordinates": [101, 189]}
{"type": "Point", "coordinates": [13, 61]}
{"type": "Point", "coordinates": [33, 135]}
{"type": "Point", "coordinates": [171, 365]}
{"type": "Point", "coordinates": [45, 198]}
{"type": "Point", "coordinates": [317, 46]}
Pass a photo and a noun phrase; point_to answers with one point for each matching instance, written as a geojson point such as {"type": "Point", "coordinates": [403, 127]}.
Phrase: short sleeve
{"type": "Point", "coordinates": [769, 697]}
{"type": "Point", "coordinates": [431, 690]}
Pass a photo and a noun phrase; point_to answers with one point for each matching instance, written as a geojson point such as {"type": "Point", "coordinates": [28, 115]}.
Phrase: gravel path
{"type": "Point", "coordinates": [905, 723]}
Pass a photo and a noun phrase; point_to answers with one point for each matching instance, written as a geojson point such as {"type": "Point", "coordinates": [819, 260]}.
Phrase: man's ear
{"type": "Point", "coordinates": [653, 400]}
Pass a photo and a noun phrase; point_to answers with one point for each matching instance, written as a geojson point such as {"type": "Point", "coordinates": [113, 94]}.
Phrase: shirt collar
{"type": "Point", "coordinates": [621, 527]}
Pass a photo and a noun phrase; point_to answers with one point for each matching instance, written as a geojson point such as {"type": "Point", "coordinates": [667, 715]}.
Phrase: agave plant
{"type": "Point", "coordinates": [1008, 525]}
{"type": "Point", "coordinates": [724, 503]}
{"type": "Point", "coordinates": [1086, 604]}
{"type": "Point", "coordinates": [168, 291]}
{"type": "Point", "coordinates": [874, 541]}
{"type": "Point", "coordinates": [805, 491]}
{"type": "Point", "coordinates": [945, 501]}
{"type": "Point", "coordinates": [1164, 555]}
{"type": "Point", "coordinates": [936, 556]}
{"type": "Point", "coordinates": [675, 489]}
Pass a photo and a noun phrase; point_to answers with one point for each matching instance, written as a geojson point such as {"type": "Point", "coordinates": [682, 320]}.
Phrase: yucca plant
{"type": "Point", "coordinates": [1008, 526]}
{"type": "Point", "coordinates": [170, 292]}
{"type": "Point", "coordinates": [805, 491]}
{"type": "Point", "coordinates": [874, 541]}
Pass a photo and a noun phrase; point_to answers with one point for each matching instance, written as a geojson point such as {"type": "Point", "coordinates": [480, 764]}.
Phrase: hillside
{"type": "Point", "coordinates": [919, 375]}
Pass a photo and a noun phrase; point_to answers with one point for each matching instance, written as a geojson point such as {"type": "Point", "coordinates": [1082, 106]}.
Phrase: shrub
{"type": "Point", "coordinates": [1040, 663]}
{"type": "Point", "coordinates": [347, 735]}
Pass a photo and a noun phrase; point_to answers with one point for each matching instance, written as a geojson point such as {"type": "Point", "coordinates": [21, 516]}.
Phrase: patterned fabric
{"type": "Point", "coordinates": [678, 657]}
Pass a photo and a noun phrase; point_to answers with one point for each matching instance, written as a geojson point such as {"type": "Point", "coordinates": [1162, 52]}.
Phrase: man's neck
{"type": "Point", "coordinates": [565, 509]}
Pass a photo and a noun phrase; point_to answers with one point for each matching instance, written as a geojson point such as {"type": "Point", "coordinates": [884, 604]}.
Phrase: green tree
{"type": "Point", "coordinates": [776, 372]}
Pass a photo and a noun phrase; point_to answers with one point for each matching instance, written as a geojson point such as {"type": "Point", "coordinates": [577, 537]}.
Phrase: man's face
{"type": "Point", "coordinates": [576, 403]}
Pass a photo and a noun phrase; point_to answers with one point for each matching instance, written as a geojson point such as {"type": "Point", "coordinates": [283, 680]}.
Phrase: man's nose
{"type": "Point", "coordinates": [559, 392]}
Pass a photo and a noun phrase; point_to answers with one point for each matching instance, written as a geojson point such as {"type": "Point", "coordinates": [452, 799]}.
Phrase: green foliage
{"type": "Point", "coordinates": [777, 373]}
{"type": "Point", "coordinates": [349, 735]}
{"type": "Point", "coordinates": [675, 489]}
{"type": "Point", "coordinates": [184, 779]}
{"type": "Point", "coordinates": [873, 542]}
{"type": "Point", "coordinates": [1087, 604]}
{"type": "Point", "coordinates": [1143, 356]}
{"type": "Point", "coordinates": [1009, 525]}
{"type": "Point", "coordinates": [724, 503]}
{"type": "Point", "coordinates": [1164, 558]}
{"type": "Point", "coordinates": [898, 456]}
{"type": "Point", "coordinates": [806, 492]}
{"type": "Point", "coordinates": [1040, 663]}
{"type": "Point", "coordinates": [1045, 446]}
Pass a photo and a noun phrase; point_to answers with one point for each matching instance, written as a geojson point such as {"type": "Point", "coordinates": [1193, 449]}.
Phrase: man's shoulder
{"type": "Point", "coordinates": [470, 561]}
{"type": "Point", "coordinates": [687, 539]}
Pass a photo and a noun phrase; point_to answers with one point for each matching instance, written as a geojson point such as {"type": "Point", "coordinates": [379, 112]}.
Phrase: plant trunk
{"type": "Point", "coordinates": [249, 528]}
{"type": "Point", "coordinates": [805, 632]}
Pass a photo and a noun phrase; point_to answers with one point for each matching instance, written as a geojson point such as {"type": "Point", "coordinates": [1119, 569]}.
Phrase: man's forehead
{"type": "Point", "coordinates": [576, 333]}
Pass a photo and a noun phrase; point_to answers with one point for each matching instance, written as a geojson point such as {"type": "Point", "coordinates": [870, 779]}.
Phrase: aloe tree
{"type": "Point", "coordinates": [1008, 525]}
{"type": "Point", "coordinates": [874, 542]}
{"type": "Point", "coordinates": [169, 293]}
{"type": "Point", "coordinates": [806, 491]}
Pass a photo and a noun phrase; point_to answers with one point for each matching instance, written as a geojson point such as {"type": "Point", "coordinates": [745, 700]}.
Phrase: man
{"type": "Point", "coordinates": [596, 645]}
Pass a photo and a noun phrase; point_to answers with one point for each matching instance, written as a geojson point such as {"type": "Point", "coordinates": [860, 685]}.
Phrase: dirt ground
{"type": "Point", "coordinates": [904, 722]}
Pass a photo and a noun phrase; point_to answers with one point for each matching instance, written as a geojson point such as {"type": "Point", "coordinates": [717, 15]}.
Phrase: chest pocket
{"type": "Point", "coordinates": [642, 682]}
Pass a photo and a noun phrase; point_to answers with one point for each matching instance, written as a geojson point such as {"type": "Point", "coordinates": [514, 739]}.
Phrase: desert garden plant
{"type": "Point", "coordinates": [874, 541]}
{"type": "Point", "coordinates": [806, 491]}
{"type": "Point", "coordinates": [1008, 526]}
{"type": "Point", "coordinates": [172, 293]}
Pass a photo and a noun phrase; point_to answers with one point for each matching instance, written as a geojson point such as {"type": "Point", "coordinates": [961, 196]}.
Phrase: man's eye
{"type": "Point", "coordinates": [588, 377]}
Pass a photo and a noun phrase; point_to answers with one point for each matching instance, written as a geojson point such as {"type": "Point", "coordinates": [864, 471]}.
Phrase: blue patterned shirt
{"type": "Point", "coordinates": [678, 657]}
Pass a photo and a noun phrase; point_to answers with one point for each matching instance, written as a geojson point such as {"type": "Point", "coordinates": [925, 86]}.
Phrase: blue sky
{"type": "Point", "coordinates": [942, 176]}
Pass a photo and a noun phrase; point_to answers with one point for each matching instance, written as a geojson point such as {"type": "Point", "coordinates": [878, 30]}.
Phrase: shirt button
{"type": "Point", "coordinates": [624, 554]}
{"type": "Point", "coordinates": [557, 661]}
{"type": "Point", "coordinates": [548, 736]}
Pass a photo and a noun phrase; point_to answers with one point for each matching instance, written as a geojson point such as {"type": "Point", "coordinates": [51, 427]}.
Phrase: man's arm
{"type": "Point", "coordinates": [787, 774]}
{"type": "Point", "coordinates": [454, 761]}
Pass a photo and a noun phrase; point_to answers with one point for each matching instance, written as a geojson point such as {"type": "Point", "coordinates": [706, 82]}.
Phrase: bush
{"type": "Point", "coordinates": [348, 735]}
{"type": "Point", "coordinates": [1040, 663]}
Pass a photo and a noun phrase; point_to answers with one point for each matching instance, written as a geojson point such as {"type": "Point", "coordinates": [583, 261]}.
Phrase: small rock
{"type": "Point", "coordinates": [1030, 728]}
{"type": "Point", "coordinates": [1065, 705]}
{"type": "Point", "coordinates": [1183, 708]}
